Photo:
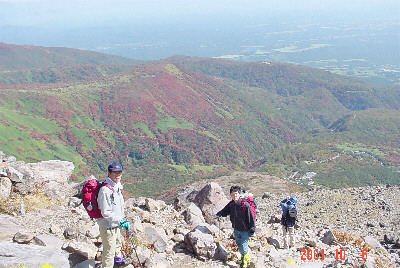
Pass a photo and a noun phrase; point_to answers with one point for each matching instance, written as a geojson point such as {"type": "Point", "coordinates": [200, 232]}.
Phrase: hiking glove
{"type": "Point", "coordinates": [124, 223]}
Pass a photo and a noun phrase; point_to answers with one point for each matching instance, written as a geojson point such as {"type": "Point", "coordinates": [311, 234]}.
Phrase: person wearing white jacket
{"type": "Point", "coordinates": [111, 204]}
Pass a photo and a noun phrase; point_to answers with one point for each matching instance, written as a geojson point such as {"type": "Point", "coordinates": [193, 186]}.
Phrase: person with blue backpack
{"type": "Point", "coordinates": [288, 220]}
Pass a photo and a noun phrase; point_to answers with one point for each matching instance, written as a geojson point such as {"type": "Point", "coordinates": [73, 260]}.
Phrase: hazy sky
{"type": "Point", "coordinates": [94, 12]}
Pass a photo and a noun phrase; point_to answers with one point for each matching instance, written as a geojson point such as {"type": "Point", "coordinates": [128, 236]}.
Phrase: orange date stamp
{"type": "Point", "coordinates": [316, 254]}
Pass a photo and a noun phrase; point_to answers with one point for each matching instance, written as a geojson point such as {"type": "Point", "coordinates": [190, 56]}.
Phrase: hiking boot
{"type": "Point", "coordinates": [121, 261]}
{"type": "Point", "coordinates": [245, 261]}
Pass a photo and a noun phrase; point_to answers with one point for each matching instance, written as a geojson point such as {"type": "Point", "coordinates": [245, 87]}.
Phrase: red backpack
{"type": "Point", "coordinates": [252, 203]}
{"type": "Point", "coordinates": [89, 197]}
{"type": "Point", "coordinates": [247, 197]}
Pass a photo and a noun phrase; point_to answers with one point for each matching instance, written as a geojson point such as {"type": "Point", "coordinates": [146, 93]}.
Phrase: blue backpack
{"type": "Point", "coordinates": [291, 216]}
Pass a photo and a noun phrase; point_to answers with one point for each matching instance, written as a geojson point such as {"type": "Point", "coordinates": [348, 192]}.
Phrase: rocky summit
{"type": "Point", "coordinates": [43, 224]}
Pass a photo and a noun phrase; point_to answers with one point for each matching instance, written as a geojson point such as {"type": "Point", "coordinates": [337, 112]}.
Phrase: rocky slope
{"type": "Point", "coordinates": [42, 222]}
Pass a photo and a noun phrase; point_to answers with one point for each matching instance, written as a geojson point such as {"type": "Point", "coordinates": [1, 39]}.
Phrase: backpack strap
{"type": "Point", "coordinates": [243, 203]}
{"type": "Point", "coordinates": [109, 187]}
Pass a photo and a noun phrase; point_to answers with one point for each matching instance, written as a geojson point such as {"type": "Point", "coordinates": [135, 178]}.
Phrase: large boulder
{"type": "Point", "coordinates": [211, 199]}
{"type": "Point", "coordinates": [193, 215]}
{"type": "Point", "coordinates": [52, 170]}
{"type": "Point", "coordinates": [200, 241]}
{"type": "Point", "coordinates": [186, 196]}
{"type": "Point", "coordinates": [157, 238]}
{"type": "Point", "coordinates": [51, 175]}
{"type": "Point", "coordinates": [19, 255]}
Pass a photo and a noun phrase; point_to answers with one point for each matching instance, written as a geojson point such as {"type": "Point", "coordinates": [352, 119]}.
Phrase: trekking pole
{"type": "Point", "coordinates": [134, 247]}
{"type": "Point", "coordinates": [219, 242]}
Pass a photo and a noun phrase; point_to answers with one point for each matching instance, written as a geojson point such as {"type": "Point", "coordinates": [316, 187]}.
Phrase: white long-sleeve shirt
{"type": "Point", "coordinates": [111, 205]}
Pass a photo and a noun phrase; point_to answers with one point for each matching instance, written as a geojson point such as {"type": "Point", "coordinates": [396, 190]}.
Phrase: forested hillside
{"type": "Point", "coordinates": [181, 119]}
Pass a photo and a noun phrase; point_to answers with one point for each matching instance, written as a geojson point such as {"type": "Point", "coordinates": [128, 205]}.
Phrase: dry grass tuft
{"type": "Point", "coordinates": [360, 243]}
{"type": "Point", "coordinates": [30, 202]}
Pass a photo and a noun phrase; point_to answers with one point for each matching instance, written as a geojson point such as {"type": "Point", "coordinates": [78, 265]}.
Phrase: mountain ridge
{"type": "Point", "coordinates": [17, 57]}
{"type": "Point", "coordinates": [290, 80]}
{"type": "Point", "coordinates": [166, 117]}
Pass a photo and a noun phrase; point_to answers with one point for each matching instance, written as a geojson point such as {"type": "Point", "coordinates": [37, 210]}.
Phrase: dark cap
{"type": "Point", "coordinates": [115, 167]}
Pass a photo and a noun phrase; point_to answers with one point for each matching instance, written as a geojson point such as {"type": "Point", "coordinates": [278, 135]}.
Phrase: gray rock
{"type": "Point", "coordinates": [139, 202]}
{"type": "Point", "coordinates": [369, 263]}
{"type": "Point", "coordinates": [193, 215]}
{"type": "Point", "coordinates": [201, 242]}
{"type": "Point", "coordinates": [8, 228]}
{"type": "Point", "coordinates": [52, 170]}
{"type": "Point", "coordinates": [85, 250]}
{"type": "Point", "coordinates": [25, 185]}
{"type": "Point", "coordinates": [86, 264]}
{"type": "Point", "coordinates": [312, 265]}
{"type": "Point", "coordinates": [157, 261]}
{"type": "Point", "coordinates": [14, 175]}
{"type": "Point", "coordinates": [274, 219]}
{"type": "Point", "coordinates": [329, 238]}
{"type": "Point", "coordinates": [311, 243]}
{"type": "Point", "coordinates": [375, 244]}
{"type": "Point", "coordinates": [211, 199]}
{"type": "Point", "coordinates": [137, 225]}
{"type": "Point", "coordinates": [71, 233]}
{"type": "Point", "coordinates": [92, 231]}
{"type": "Point", "coordinates": [221, 254]}
{"type": "Point", "coordinates": [55, 229]}
{"type": "Point", "coordinates": [276, 257]}
{"type": "Point", "coordinates": [10, 159]}
{"type": "Point", "coordinates": [5, 187]}
{"type": "Point", "coordinates": [274, 242]}
{"type": "Point", "coordinates": [392, 239]}
{"type": "Point", "coordinates": [154, 205]}
{"type": "Point", "coordinates": [23, 237]}
{"type": "Point", "coordinates": [186, 196]}
{"type": "Point", "coordinates": [178, 238]}
{"type": "Point", "coordinates": [142, 253]}
{"type": "Point", "coordinates": [74, 202]}
{"type": "Point", "coordinates": [157, 238]}
{"type": "Point", "coordinates": [268, 195]}
{"type": "Point", "coordinates": [370, 224]}
{"type": "Point", "coordinates": [48, 241]}
{"type": "Point", "coordinates": [32, 256]}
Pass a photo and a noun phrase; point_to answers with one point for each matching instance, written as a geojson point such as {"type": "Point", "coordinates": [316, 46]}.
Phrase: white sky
{"type": "Point", "coordinates": [94, 12]}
